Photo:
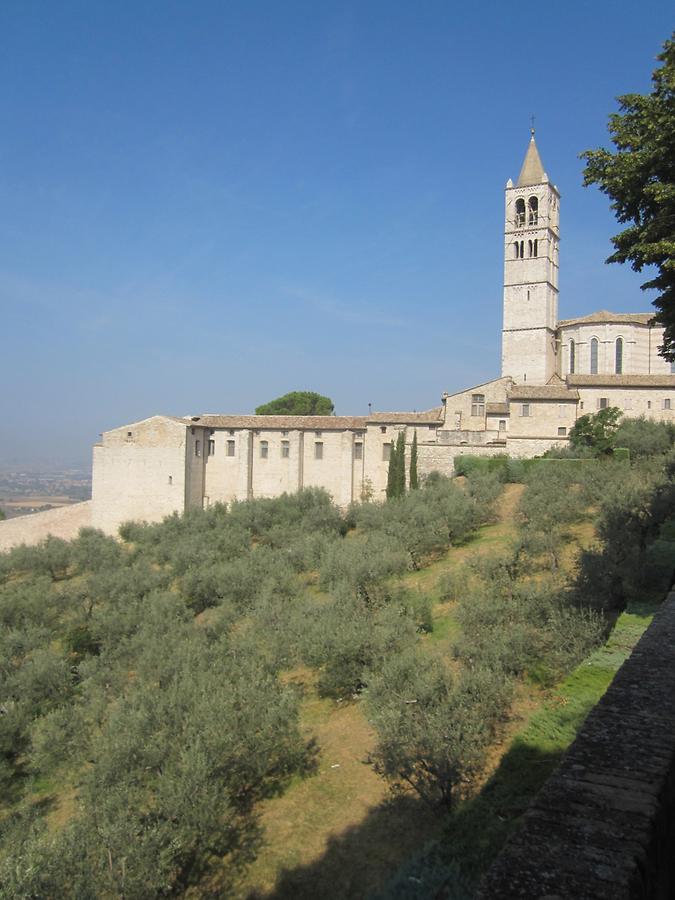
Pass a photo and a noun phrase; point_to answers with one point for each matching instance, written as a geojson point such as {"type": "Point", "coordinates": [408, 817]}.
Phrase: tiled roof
{"type": "Point", "coordinates": [604, 315]}
{"type": "Point", "coordinates": [285, 423]}
{"type": "Point", "coordinates": [621, 380]}
{"type": "Point", "coordinates": [542, 392]}
{"type": "Point", "coordinates": [320, 423]}
{"type": "Point", "coordinates": [497, 409]}
{"type": "Point", "coordinates": [428, 417]}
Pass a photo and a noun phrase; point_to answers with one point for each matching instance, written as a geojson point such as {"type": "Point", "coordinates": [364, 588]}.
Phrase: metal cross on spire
{"type": "Point", "coordinates": [532, 125]}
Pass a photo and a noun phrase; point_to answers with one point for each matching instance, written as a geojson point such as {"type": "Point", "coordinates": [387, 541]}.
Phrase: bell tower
{"type": "Point", "coordinates": [531, 239]}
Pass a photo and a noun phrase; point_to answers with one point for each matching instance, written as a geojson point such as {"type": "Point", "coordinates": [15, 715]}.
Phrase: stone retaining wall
{"type": "Point", "coordinates": [603, 825]}
{"type": "Point", "coordinates": [64, 522]}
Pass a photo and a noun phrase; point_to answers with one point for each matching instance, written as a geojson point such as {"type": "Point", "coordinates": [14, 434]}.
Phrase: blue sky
{"type": "Point", "coordinates": [204, 205]}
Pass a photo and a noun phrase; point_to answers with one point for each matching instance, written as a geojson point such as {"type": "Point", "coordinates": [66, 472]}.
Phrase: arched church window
{"type": "Point", "coordinates": [516, 254]}
{"type": "Point", "coordinates": [522, 249]}
{"type": "Point", "coordinates": [536, 248]}
{"type": "Point", "coordinates": [594, 356]}
{"type": "Point", "coordinates": [520, 213]}
{"type": "Point", "coordinates": [529, 248]}
{"type": "Point", "coordinates": [573, 357]}
{"type": "Point", "coordinates": [618, 356]}
{"type": "Point", "coordinates": [532, 211]}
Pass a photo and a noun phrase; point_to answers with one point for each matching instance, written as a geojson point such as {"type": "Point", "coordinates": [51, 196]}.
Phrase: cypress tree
{"type": "Point", "coordinates": [413, 479]}
{"type": "Point", "coordinates": [391, 472]}
{"type": "Point", "coordinates": [400, 464]}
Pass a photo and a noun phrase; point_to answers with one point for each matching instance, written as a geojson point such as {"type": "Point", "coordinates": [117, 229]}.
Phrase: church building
{"type": "Point", "coordinates": [552, 371]}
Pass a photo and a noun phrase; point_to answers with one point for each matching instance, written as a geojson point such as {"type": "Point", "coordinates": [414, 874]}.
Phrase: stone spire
{"type": "Point", "coordinates": [532, 171]}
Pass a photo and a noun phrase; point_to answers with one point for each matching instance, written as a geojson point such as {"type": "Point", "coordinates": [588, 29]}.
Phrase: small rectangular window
{"type": "Point", "coordinates": [230, 448]}
{"type": "Point", "coordinates": [386, 452]}
{"type": "Point", "coordinates": [170, 479]}
{"type": "Point", "coordinates": [525, 409]}
{"type": "Point", "coordinates": [502, 424]}
{"type": "Point", "coordinates": [603, 403]}
{"type": "Point", "coordinates": [649, 404]}
{"type": "Point", "coordinates": [478, 404]}
{"type": "Point", "coordinates": [318, 450]}
{"type": "Point", "coordinates": [666, 403]}
{"type": "Point", "coordinates": [383, 429]}
{"type": "Point", "coordinates": [264, 449]}
{"type": "Point", "coordinates": [130, 434]}
{"type": "Point", "coordinates": [562, 431]}
{"type": "Point", "coordinates": [284, 434]}
{"type": "Point", "coordinates": [212, 447]}
{"type": "Point", "coordinates": [358, 450]}
{"type": "Point", "coordinates": [627, 402]}
{"type": "Point", "coordinates": [285, 449]}
{"type": "Point", "coordinates": [231, 431]}
{"type": "Point", "coordinates": [562, 411]}
{"type": "Point", "coordinates": [198, 448]}
{"type": "Point", "coordinates": [317, 434]}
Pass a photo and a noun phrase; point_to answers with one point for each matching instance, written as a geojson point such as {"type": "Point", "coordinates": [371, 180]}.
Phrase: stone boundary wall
{"type": "Point", "coordinates": [603, 825]}
{"type": "Point", "coordinates": [441, 457]}
{"type": "Point", "coordinates": [63, 522]}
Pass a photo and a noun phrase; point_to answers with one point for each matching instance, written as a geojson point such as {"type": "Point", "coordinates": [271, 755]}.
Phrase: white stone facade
{"type": "Point", "coordinates": [552, 372]}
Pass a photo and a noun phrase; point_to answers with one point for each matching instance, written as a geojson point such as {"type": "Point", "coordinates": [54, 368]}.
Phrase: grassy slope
{"type": "Point", "coordinates": [339, 833]}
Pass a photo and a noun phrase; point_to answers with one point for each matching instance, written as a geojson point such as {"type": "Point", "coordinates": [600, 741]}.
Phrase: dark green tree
{"type": "Point", "coordinates": [400, 464]}
{"type": "Point", "coordinates": [639, 177]}
{"type": "Point", "coordinates": [392, 473]}
{"type": "Point", "coordinates": [596, 431]}
{"type": "Point", "coordinates": [413, 480]}
{"type": "Point", "coordinates": [297, 403]}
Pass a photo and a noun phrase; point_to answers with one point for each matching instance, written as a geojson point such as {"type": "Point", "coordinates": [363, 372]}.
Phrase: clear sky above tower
{"type": "Point", "coordinates": [205, 205]}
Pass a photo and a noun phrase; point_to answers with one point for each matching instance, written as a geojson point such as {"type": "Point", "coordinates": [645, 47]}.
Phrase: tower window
{"type": "Point", "coordinates": [478, 404]}
{"type": "Point", "coordinates": [386, 452]}
{"type": "Point", "coordinates": [520, 213]}
{"type": "Point", "coordinates": [532, 211]}
{"type": "Point", "coordinates": [525, 410]}
{"type": "Point", "coordinates": [212, 447]}
{"type": "Point", "coordinates": [198, 448]}
{"type": "Point", "coordinates": [516, 250]}
{"type": "Point", "coordinates": [573, 354]}
{"type": "Point", "coordinates": [594, 356]}
{"type": "Point", "coordinates": [358, 450]}
{"type": "Point", "coordinates": [529, 248]}
{"type": "Point", "coordinates": [618, 356]}
{"type": "Point", "coordinates": [264, 449]}
{"type": "Point", "coordinates": [536, 248]}
{"type": "Point", "coordinates": [230, 448]}
{"type": "Point", "coordinates": [318, 449]}
{"type": "Point", "coordinates": [522, 249]}
{"type": "Point", "coordinates": [285, 449]}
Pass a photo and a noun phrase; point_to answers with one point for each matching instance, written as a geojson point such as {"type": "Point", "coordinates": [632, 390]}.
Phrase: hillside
{"type": "Point", "coordinates": [276, 699]}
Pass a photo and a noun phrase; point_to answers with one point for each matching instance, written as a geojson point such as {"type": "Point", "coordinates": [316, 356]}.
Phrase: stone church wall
{"type": "Point", "coordinates": [139, 473]}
